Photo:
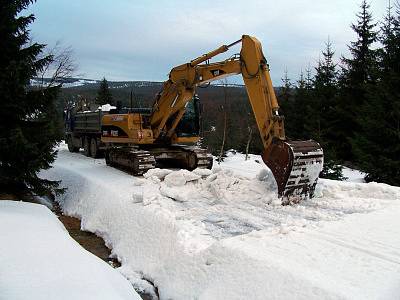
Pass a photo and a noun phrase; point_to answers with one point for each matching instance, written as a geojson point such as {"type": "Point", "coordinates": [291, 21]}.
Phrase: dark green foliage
{"type": "Point", "coordinates": [323, 119]}
{"type": "Point", "coordinates": [28, 123]}
{"type": "Point", "coordinates": [104, 95]}
{"type": "Point", "coordinates": [310, 112]}
{"type": "Point", "coordinates": [377, 147]}
{"type": "Point", "coordinates": [361, 67]}
{"type": "Point", "coordinates": [295, 125]}
{"type": "Point", "coordinates": [359, 72]}
{"type": "Point", "coordinates": [332, 170]}
{"type": "Point", "coordinates": [355, 115]}
{"type": "Point", "coordinates": [286, 96]}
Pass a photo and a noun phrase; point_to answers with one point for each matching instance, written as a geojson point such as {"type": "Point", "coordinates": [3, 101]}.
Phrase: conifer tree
{"type": "Point", "coordinates": [28, 126]}
{"type": "Point", "coordinates": [104, 95]}
{"type": "Point", "coordinates": [309, 78]}
{"type": "Point", "coordinates": [358, 72]}
{"type": "Point", "coordinates": [325, 96]}
{"type": "Point", "coordinates": [298, 118]}
{"type": "Point", "coordinates": [285, 93]}
{"type": "Point", "coordinates": [377, 146]}
{"type": "Point", "coordinates": [361, 67]}
{"type": "Point", "coordinates": [286, 101]}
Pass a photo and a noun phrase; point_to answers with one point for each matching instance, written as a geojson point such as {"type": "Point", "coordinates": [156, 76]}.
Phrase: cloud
{"type": "Point", "coordinates": [143, 40]}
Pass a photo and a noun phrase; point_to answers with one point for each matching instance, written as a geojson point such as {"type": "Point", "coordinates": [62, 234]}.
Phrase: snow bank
{"type": "Point", "coordinates": [353, 175]}
{"type": "Point", "coordinates": [39, 260]}
{"type": "Point", "coordinates": [224, 235]}
{"type": "Point", "coordinates": [106, 107]}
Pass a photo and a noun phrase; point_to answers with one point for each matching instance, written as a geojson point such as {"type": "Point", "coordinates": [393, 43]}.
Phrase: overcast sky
{"type": "Point", "coordinates": [143, 40]}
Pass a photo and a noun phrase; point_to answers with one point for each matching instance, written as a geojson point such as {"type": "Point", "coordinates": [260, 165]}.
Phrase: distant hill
{"type": "Point", "coordinates": [66, 82]}
{"type": "Point", "coordinates": [92, 83]}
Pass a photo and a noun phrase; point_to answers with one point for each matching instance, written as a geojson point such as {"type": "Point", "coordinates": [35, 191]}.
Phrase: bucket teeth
{"type": "Point", "coordinates": [296, 166]}
{"type": "Point", "coordinates": [307, 164]}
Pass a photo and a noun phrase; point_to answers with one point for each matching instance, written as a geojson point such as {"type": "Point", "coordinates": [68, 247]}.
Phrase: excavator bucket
{"type": "Point", "coordinates": [296, 166]}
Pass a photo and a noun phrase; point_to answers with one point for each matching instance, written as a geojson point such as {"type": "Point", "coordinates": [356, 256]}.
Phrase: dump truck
{"type": "Point", "coordinates": [83, 130]}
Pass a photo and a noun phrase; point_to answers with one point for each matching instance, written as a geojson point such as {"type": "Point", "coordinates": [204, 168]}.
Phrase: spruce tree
{"type": "Point", "coordinates": [358, 72]}
{"type": "Point", "coordinates": [104, 95]}
{"type": "Point", "coordinates": [299, 115]}
{"type": "Point", "coordinates": [325, 98]}
{"type": "Point", "coordinates": [309, 78]}
{"type": "Point", "coordinates": [300, 107]}
{"type": "Point", "coordinates": [361, 67]}
{"type": "Point", "coordinates": [285, 92]}
{"type": "Point", "coordinates": [285, 98]}
{"type": "Point", "coordinates": [28, 126]}
{"type": "Point", "coordinates": [377, 146]}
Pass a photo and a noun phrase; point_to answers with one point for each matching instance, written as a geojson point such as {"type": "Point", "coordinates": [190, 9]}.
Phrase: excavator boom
{"type": "Point", "coordinates": [294, 164]}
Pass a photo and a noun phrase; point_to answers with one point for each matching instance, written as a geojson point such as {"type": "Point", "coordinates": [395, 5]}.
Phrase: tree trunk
{"type": "Point", "coordinates": [223, 140]}
{"type": "Point", "coordinates": [225, 83]}
{"type": "Point", "coordinates": [248, 142]}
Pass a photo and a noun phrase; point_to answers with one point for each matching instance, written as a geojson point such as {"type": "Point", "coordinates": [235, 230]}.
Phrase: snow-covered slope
{"type": "Point", "coordinates": [224, 235]}
{"type": "Point", "coordinates": [39, 260]}
{"type": "Point", "coordinates": [73, 82]}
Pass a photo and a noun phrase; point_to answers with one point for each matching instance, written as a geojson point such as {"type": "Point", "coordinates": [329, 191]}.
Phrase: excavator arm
{"type": "Point", "coordinates": [294, 164]}
{"type": "Point", "coordinates": [183, 79]}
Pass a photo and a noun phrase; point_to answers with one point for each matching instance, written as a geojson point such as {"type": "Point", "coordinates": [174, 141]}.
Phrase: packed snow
{"type": "Point", "coordinates": [352, 175]}
{"type": "Point", "coordinates": [106, 107]}
{"type": "Point", "coordinates": [223, 234]}
{"type": "Point", "coordinates": [39, 260]}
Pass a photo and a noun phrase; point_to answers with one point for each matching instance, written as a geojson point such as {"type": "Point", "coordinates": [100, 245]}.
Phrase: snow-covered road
{"type": "Point", "coordinates": [224, 235]}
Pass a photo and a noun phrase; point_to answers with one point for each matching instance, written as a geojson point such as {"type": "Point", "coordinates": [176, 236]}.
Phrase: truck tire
{"type": "Point", "coordinates": [94, 150]}
{"type": "Point", "coordinates": [86, 146]}
{"type": "Point", "coordinates": [71, 146]}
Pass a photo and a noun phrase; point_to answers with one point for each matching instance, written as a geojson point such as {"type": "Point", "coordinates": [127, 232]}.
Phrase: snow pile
{"type": "Point", "coordinates": [223, 234]}
{"type": "Point", "coordinates": [353, 175]}
{"type": "Point", "coordinates": [39, 260]}
{"type": "Point", "coordinates": [106, 107]}
{"type": "Point", "coordinates": [223, 204]}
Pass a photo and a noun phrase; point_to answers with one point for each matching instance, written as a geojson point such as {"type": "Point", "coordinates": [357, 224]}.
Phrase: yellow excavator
{"type": "Point", "coordinates": [139, 139]}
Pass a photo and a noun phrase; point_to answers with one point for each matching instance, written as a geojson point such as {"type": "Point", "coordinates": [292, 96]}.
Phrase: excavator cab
{"type": "Point", "coordinates": [189, 125]}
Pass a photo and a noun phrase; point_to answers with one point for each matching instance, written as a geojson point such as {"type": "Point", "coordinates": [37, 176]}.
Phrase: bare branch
{"type": "Point", "coordinates": [62, 66]}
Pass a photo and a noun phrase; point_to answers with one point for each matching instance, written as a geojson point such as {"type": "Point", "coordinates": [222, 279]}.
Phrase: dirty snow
{"type": "Point", "coordinates": [39, 260]}
{"type": "Point", "coordinates": [223, 234]}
